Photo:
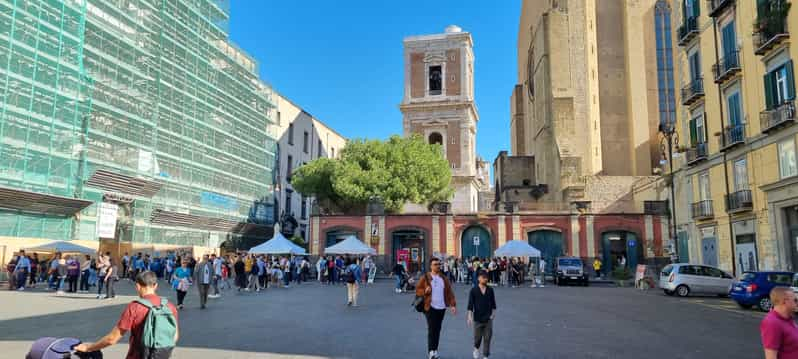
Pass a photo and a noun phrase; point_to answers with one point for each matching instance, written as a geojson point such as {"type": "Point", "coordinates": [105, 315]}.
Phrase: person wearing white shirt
{"type": "Point", "coordinates": [217, 275]}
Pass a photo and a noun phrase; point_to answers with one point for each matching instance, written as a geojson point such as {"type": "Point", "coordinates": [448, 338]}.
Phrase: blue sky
{"type": "Point", "coordinates": [342, 60]}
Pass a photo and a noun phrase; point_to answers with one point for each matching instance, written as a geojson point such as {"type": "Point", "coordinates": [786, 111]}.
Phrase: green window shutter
{"type": "Point", "coordinates": [790, 80]}
{"type": "Point", "coordinates": [693, 133]}
{"type": "Point", "coordinates": [696, 8]}
{"type": "Point", "coordinates": [769, 91]}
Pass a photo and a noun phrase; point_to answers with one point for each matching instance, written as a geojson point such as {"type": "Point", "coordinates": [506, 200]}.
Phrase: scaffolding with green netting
{"type": "Point", "coordinates": [145, 89]}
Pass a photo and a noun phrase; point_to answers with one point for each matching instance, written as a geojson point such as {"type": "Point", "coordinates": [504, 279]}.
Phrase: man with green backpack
{"type": "Point", "coordinates": [151, 321]}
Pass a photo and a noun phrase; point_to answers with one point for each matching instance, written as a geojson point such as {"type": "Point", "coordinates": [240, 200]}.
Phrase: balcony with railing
{"type": "Point", "coordinates": [739, 201]}
{"type": "Point", "coordinates": [770, 28]}
{"type": "Point", "coordinates": [716, 7]}
{"type": "Point", "coordinates": [731, 137]}
{"type": "Point", "coordinates": [693, 91]}
{"type": "Point", "coordinates": [727, 66]}
{"type": "Point", "coordinates": [688, 30]}
{"type": "Point", "coordinates": [697, 153]}
{"type": "Point", "coordinates": [702, 209]}
{"type": "Point", "coordinates": [781, 115]}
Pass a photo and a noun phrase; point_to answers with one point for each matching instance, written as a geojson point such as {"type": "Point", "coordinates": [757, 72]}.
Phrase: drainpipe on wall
{"type": "Point", "coordinates": [725, 165]}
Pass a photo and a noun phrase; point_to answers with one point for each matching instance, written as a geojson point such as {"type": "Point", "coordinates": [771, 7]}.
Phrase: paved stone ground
{"type": "Point", "coordinates": [311, 322]}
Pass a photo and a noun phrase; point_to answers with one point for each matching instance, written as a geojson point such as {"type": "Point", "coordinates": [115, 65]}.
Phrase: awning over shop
{"type": "Point", "coordinates": [41, 203]}
{"type": "Point", "coordinates": [116, 182]}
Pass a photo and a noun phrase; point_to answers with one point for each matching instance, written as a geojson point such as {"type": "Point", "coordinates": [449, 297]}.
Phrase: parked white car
{"type": "Point", "coordinates": [684, 279]}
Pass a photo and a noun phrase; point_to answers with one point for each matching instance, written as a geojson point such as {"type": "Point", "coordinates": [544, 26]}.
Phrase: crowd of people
{"type": "Point", "coordinates": [500, 271]}
{"type": "Point", "coordinates": [64, 273]}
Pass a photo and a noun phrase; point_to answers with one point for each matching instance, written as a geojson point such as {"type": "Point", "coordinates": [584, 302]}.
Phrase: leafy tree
{"type": "Point", "coordinates": [397, 171]}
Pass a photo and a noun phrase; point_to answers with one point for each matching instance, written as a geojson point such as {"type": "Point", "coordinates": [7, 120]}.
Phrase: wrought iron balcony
{"type": "Point", "coordinates": [697, 153]}
{"type": "Point", "coordinates": [731, 137]}
{"type": "Point", "coordinates": [779, 116]}
{"type": "Point", "coordinates": [739, 201]}
{"type": "Point", "coordinates": [693, 91]}
{"type": "Point", "coordinates": [727, 66]}
{"type": "Point", "coordinates": [716, 7]}
{"type": "Point", "coordinates": [702, 209]}
{"type": "Point", "coordinates": [770, 28]}
{"type": "Point", "coordinates": [688, 30]}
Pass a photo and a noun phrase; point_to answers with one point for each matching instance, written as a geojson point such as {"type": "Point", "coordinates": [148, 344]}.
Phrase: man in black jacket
{"type": "Point", "coordinates": [481, 311]}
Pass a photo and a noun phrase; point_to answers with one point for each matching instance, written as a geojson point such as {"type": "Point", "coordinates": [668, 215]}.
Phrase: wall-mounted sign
{"type": "Point", "coordinates": [106, 220]}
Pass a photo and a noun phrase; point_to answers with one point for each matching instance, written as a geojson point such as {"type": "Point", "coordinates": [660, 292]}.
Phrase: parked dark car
{"type": "Point", "coordinates": [753, 288]}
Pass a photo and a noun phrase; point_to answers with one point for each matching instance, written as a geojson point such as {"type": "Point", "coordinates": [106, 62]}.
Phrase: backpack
{"type": "Point", "coordinates": [158, 335]}
{"type": "Point", "coordinates": [418, 302]}
{"type": "Point", "coordinates": [349, 275]}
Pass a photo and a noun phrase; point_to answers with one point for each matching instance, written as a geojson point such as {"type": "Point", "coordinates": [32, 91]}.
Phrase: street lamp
{"type": "Point", "coordinates": [669, 139]}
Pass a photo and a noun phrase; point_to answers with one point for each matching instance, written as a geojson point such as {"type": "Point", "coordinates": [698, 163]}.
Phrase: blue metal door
{"type": "Point", "coordinates": [550, 245]}
{"type": "Point", "coordinates": [709, 251]}
{"type": "Point", "coordinates": [476, 243]}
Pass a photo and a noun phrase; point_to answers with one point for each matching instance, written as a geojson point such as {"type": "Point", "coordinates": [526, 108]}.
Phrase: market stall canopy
{"type": "Point", "coordinates": [63, 247]}
{"type": "Point", "coordinates": [517, 248]}
{"type": "Point", "coordinates": [350, 245]}
{"type": "Point", "coordinates": [278, 245]}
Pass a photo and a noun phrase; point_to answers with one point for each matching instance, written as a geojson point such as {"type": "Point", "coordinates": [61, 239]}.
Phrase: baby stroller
{"type": "Point", "coordinates": [408, 283]}
{"type": "Point", "coordinates": [59, 348]}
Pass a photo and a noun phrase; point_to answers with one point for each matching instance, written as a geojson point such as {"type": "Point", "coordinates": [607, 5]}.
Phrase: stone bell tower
{"type": "Point", "coordinates": [438, 104]}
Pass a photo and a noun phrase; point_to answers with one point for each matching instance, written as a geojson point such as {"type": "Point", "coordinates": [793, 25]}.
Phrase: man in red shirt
{"type": "Point", "coordinates": [778, 329]}
{"type": "Point", "coordinates": [132, 319]}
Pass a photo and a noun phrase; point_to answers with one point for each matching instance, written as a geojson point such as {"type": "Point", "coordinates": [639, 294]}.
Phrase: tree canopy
{"type": "Point", "coordinates": [397, 171]}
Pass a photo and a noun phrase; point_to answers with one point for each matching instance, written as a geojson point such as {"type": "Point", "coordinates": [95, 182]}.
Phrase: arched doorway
{"type": "Point", "coordinates": [409, 246]}
{"type": "Point", "coordinates": [337, 235]}
{"type": "Point", "coordinates": [620, 244]}
{"type": "Point", "coordinates": [435, 138]}
{"type": "Point", "coordinates": [549, 243]}
{"type": "Point", "coordinates": [475, 242]}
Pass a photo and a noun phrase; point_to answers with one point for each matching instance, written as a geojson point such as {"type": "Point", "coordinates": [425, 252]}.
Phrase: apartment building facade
{"type": "Point", "coordinates": [301, 138]}
{"type": "Point", "coordinates": [737, 157]}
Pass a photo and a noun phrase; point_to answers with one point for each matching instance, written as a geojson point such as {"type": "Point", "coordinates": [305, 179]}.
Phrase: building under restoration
{"type": "Point", "coordinates": [135, 122]}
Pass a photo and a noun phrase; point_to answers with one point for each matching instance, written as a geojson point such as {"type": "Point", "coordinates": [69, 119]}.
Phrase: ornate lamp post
{"type": "Point", "coordinates": [669, 139]}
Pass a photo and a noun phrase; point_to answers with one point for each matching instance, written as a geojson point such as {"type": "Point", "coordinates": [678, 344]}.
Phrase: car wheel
{"type": "Point", "coordinates": [744, 306]}
{"type": "Point", "coordinates": [764, 304]}
{"type": "Point", "coordinates": [682, 290]}
{"type": "Point", "coordinates": [668, 292]}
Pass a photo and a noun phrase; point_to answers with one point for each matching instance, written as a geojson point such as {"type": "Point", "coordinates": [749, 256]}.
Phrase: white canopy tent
{"type": "Point", "coordinates": [278, 245]}
{"type": "Point", "coordinates": [517, 248]}
{"type": "Point", "coordinates": [63, 247]}
{"type": "Point", "coordinates": [350, 245]}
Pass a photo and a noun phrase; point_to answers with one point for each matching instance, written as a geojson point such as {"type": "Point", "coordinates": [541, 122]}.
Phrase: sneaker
{"type": "Point", "coordinates": [180, 306]}
{"type": "Point", "coordinates": [348, 304]}
{"type": "Point", "coordinates": [476, 353]}
{"type": "Point", "coordinates": [20, 289]}
{"type": "Point", "coordinates": [431, 354]}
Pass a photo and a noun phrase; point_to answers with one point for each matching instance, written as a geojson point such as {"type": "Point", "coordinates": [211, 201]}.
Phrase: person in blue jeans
{"type": "Point", "coordinates": [399, 275]}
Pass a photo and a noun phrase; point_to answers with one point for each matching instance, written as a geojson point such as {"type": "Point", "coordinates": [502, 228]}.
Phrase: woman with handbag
{"type": "Point", "coordinates": [180, 282]}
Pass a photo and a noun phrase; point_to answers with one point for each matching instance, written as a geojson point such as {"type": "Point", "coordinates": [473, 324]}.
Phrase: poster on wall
{"type": "Point", "coordinates": [745, 253]}
{"type": "Point", "coordinates": [414, 254]}
{"type": "Point", "coordinates": [106, 220]}
{"type": "Point", "coordinates": [402, 255]}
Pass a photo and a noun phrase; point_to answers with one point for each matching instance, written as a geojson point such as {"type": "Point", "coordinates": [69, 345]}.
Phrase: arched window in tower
{"type": "Point", "coordinates": [435, 80]}
{"type": "Point", "coordinates": [435, 139]}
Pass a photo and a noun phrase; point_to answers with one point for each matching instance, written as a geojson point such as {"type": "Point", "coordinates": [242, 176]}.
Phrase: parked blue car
{"type": "Point", "coordinates": [753, 288]}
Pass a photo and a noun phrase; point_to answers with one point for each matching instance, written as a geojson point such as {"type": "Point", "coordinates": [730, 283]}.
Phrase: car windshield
{"type": "Point", "coordinates": [570, 262]}
{"type": "Point", "coordinates": [667, 270]}
{"type": "Point", "coordinates": [748, 277]}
